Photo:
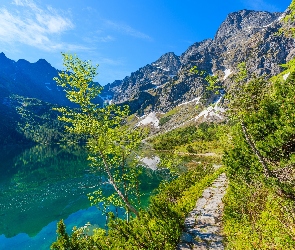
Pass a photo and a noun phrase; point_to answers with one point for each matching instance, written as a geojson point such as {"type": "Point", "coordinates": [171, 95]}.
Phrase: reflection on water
{"type": "Point", "coordinates": [43, 184]}
{"type": "Point", "coordinates": [48, 183]}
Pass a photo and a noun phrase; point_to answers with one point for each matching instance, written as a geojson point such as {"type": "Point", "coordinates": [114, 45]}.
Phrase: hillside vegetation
{"type": "Point", "coordinates": [258, 145]}
{"type": "Point", "coordinates": [259, 156]}
{"type": "Point", "coordinates": [29, 121]}
{"type": "Point", "coordinates": [257, 142]}
{"type": "Point", "coordinates": [259, 205]}
{"type": "Point", "coordinates": [204, 138]}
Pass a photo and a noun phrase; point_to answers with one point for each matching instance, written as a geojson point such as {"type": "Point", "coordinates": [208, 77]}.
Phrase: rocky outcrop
{"type": "Point", "coordinates": [150, 77]}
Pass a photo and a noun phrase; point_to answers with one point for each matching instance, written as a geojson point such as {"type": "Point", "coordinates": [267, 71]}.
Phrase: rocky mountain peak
{"type": "Point", "coordinates": [5, 60]}
{"type": "Point", "coordinates": [245, 36]}
{"type": "Point", "coordinates": [196, 53]}
{"type": "Point", "coordinates": [33, 80]}
{"type": "Point", "coordinates": [168, 62]}
{"type": "Point", "coordinates": [2, 55]}
{"type": "Point", "coordinates": [23, 63]}
{"type": "Point", "coordinates": [244, 21]}
{"type": "Point", "coordinates": [43, 62]}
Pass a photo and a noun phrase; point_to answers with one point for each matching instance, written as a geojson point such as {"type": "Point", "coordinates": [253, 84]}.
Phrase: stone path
{"type": "Point", "coordinates": [202, 226]}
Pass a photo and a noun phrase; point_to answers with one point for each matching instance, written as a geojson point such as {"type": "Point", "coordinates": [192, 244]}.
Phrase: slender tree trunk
{"type": "Point", "coordinates": [112, 181]}
{"type": "Point", "coordinates": [267, 172]}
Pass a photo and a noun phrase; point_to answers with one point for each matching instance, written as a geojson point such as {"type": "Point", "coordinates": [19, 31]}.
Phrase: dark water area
{"type": "Point", "coordinates": [43, 184]}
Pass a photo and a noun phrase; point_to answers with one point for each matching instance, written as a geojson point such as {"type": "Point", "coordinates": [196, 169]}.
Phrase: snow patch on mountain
{"type": "Point", "coordinates": [212, 111]}
{"type": "Point", "coordinates": [227, 73]}
{"type": "Point", "coordinates": [265, 26]}
{"type": "Point", "coordinates": [196, 100]}
{"type": "Point", "coordinates": [151, 118]}
{"type": "Point", "coordinates": [281, 17]}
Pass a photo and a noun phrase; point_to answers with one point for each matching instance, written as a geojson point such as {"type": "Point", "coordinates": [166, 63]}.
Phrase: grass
{"type": "Point", "coordinates": [202, 147]}
{"type": "Point", "coordinates": [255, 217]}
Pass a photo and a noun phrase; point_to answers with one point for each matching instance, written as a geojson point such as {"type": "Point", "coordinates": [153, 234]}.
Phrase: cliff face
{"type": "Point", "coordinates": [249, 36]}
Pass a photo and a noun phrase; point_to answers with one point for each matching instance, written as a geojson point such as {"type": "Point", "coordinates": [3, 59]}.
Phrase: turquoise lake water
{"type": "Point", "coordinates": [43, 184]}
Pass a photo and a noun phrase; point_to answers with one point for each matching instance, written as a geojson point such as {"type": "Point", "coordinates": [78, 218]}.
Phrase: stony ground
{"type": "Point", "coordinates": [203, 224]}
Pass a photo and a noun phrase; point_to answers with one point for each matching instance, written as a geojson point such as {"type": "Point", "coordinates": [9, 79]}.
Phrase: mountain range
{"type": "Point", "coordinates": [33, 80]}
{"type": "Point", "coordinates": [165, 91]}
{"type": "Point", "coordinates": [244, 36]}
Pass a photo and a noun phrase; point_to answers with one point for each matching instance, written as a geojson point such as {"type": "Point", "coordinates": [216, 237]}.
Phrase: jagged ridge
{"type": "Point", "coordinates": [245, 35]}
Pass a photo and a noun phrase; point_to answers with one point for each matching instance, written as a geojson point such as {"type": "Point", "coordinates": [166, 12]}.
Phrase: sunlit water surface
{"type": "Point", "coordinates": [43, 184]}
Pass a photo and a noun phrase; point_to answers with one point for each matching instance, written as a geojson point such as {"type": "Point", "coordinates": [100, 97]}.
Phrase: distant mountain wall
{"type": "Point", "coordinates": [249, 36]}
{"type": "Point", "coordinates": [33, 80]}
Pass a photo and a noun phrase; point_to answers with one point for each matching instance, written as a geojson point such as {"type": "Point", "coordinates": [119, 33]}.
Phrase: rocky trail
{"type": "Point", "coordinates": [203, 224]}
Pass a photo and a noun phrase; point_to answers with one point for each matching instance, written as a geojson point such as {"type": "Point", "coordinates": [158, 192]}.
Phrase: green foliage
{"type": "Point", "coordinates": [268, 110]}
{"type": "Point", "coordinates": [259, 207]}
{"type": "Point", "coordinates": [63, 238]}
{"type": "Point", "coordinates": [29, 121]}
{"type": "Point", "coordinates": [213, 86]}
{"type": "Point", "coordinates": [157, 228]}
{"type": "Point", "coordinates": [244, 95]}
{"type": "Point", "coordinates": [289, 30]}
{"type": "Point", "coordinates": [255, 217]}
{"type": "Point", "coordinates": [80, 239]}
{"type": "Point", "coordinates": [190, 149]}
{"type": "Point", "coordinates": [164, 119]}
{"type": "Point", "coordinates": [241, 76]}
{"type": "Point", "coordinates": [172, 112]}
{"type": "Point", "coordinates": [77, 81]}
{"type": "Point", "coordinates": [182, 136]}
{"type": "Point", "coordinates": [168, 116]}
{"type": "Point", "coordinates": [110, 142]}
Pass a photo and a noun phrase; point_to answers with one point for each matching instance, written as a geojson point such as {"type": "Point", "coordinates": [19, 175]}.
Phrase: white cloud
{"type": "Point", "coordinates": [28, 24]}
{"type": "Point", "coordinates": [93, 40]}
{"type": "Point", "coordinates": [126, 29]}
{"type": "Point", "coordinates": [107, 38]}
{"type": "Point", "coordinates": [28, 3]}
{"type": "Point", "coordinates": [109, 61]}
{"type": "Point", "coordinates": [54, 23]}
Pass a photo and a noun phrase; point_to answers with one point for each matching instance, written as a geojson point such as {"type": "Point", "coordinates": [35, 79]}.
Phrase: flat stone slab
{"type": "Point", "coordinates": [203, 224]}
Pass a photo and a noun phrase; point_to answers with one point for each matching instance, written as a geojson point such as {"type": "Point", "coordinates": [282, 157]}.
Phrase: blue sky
{"type": "Point", "coordinates": [121, 36]}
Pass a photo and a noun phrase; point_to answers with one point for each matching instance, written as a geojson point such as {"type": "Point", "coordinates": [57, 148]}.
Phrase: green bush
{"type": "Point", "coordinates": [182, 136]}
{"type": "Point", "coordinates": [159, 227]}
{"type": "Point", "coordinates": [259, 208]}
{"type": "Point", "coordinates": [165, 119]}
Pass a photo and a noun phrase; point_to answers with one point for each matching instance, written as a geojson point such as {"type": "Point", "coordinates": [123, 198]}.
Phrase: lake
{"type": "Point", "coordinates": [43, 184]}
